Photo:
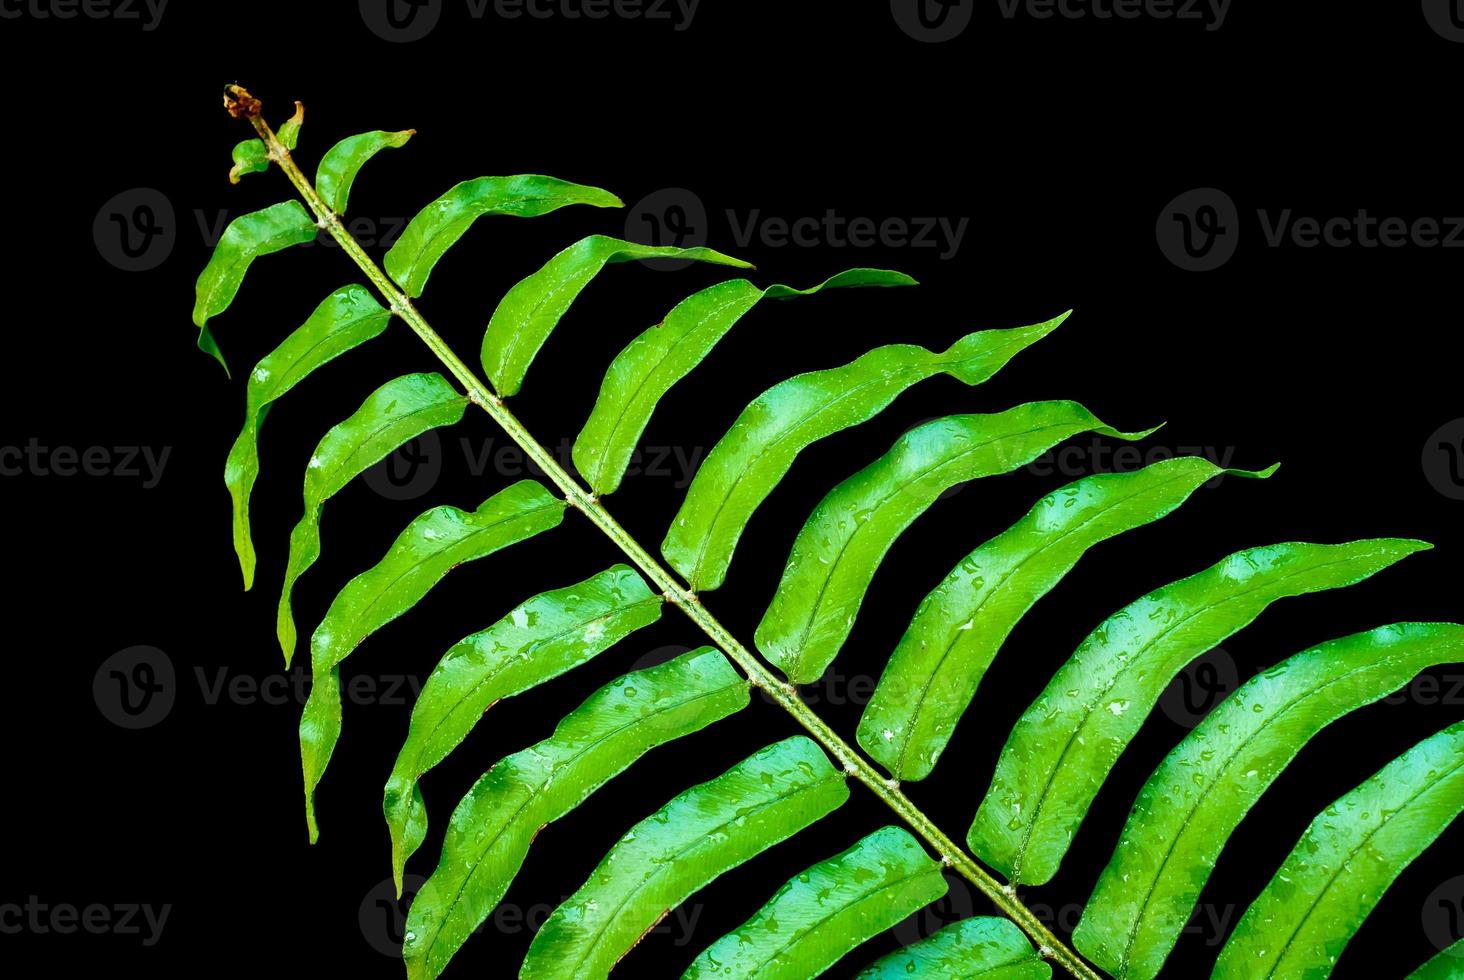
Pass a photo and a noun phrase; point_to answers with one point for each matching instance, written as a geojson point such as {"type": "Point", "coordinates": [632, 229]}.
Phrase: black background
{"type": "Point", "coordinates": [1062, 142]}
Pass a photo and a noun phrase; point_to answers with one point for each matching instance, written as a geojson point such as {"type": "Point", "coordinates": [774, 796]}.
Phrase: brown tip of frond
{"type": "Point", "coordinates": [239, 103]}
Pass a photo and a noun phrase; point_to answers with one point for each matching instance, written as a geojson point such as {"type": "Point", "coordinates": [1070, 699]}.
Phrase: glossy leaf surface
{"type": "Point", "coordinates": [979, 948]}
{"type": "Point", "coordinates": [494, 825]}
{"type": "Point", "coordinates": [757, 452]}
{"type": "Point", "coordinates": [1066, 743]}
{"type": "Point", "coordinates": [342, 162]}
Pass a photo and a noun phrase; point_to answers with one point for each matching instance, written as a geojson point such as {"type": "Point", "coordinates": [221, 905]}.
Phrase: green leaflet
{"type": "Point", "coordinates": [1448, 965]}
{"type": "Point", "coordinates": [434, 544]}
{"type": "Point", "coordinates": [530, 311]}
{"type": "Point", "coordinates": [759, 449]}
{"type": "Point", "coordinates": [679, 849]}
{"type": "Point", "coordinates": [1327, 886]}
{"type": "Point", "coordinates": [1065, 744]}
{"type": "Point", "coordinates": [826, 911]}
{"type": "Point", "coordinates": [841, 546]}
{"type": "Point", "coordinates": [340, 165]}
{"type": "Point", "coordinates": [539, 640]}
{"type": "Point", "coordinates": [390, 417]}
{"type": "Point", "coordinates": [345, 319]}
{"type": "Point", "coordinates": [1199, 794]}
{"type": "Point", "coordinates": [935, 670]}
{"type": "Point", "coordinates": [247, 237]}
{"type": "Point", "coordinates": [495, 823]}
{"type": "Point", "coordinates": [252, 156]}
{"type": "Point", "coordinates": [979, 948]}
{"type": "Point", "coordinates": [641, 374]}
{"type": "Point", "coordinates": [439, 225]}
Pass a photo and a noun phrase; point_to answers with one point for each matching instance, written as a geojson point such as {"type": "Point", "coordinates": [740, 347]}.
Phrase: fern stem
{"type": "Point", "coordinates": [854, 764]}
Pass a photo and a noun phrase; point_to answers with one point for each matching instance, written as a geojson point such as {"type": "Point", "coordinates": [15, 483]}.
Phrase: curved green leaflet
{"type": "Point", "coordinates": [843, 542]}
{"type": "Point", "coordinates": [495, 823]}
{"type": "Point", "coordinates": [826, 911]}
{"type": "Point", "coordinates": [757, 452]}
{"type": "Point", "coordinates": [542, 638]}
{"type": "Point", "coordinates": [439, 225]}
{"type": "Point", "coordinates": [1199, 794]}
{"type": "Point", "coordinates": [391, 416]}
{"type": "Point", "coordinates": [933, 674]}
{"type": "Point", "coordinates": [345, 319]}
{"type": "Point", "coordinates": [342, 162]}
{"type": "Point", "coordinates": [1448, 965]}
{"type": "Point", "coordinates": [530, 311]}
{"type": "Point", "coordinates": [432, 545]}
{"type": "Point", "coordinates": [645, 370]}
{"type": "Point", "coordinates": [679, 849]}
{"type": "Point", "coordinates": [1347, 858]}
{"type": "Point", "coordinates": [247, 237]}
{"type": "Point", "coordinates": [252, 156]}
{"type": "Point", "coordinates": [979, 948]}
{"type": "Point", "coordinates": [1065, 744]}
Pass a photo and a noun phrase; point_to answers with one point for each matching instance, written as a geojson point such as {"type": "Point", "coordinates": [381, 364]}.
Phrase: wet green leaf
{"type": "Point", "coordinates": [252, 156]}
{"type": "Point", "coordinates": [439, 225]}
{"type": "Point", "coordinates": [1199, 794]}
{"type": "Point", "coordinates": [431, 546]}
{"type": "Point", "coordinates": [1448, 965]}
{"type": "Point", "coordinates": [1345, 861]}
{"type": "Point", "coordinates": [935, 670]}
{"type": "Point", "coordinates": [663, 860]}
{"type": "Point", "coordinates": [539, 640]}
{"type": "Point", "coordinates": [345, 319]}
{"type": "Point", "coordinates": [341, 164]}
{"type": "Point", "coordinates": [979, 948]}
{"type": "Point", "coordinates": [392, 415]}
{"type": "Point", "coordinates": [494, 825]}
{"type": "Point", "coordinates": [845, 539]}
{"type": "Point", "coordinates": [660, 357]}
{"type": "Point", "coordinates": [826, 911]}
{"type": "Point", "coordinates": [759, 449]}
{"type": "Point", "coordinates": [247, 237]}
{"type": "Point", "coordinates": [1065, 744]}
